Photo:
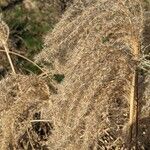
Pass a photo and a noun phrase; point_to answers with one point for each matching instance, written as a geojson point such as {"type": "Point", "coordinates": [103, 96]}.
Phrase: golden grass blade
{"type": "Point", "coordinates": [14, 53]}
{"type": "Point", "coordinates": [9, 58]}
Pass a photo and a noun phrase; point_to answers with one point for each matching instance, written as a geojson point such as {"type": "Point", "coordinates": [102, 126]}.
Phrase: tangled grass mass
{"type": "Point", "coordinates": [93, 89]}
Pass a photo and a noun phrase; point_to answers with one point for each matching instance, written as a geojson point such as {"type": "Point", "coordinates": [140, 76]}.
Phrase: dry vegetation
{"type": "Point", "coordinates": [99, 54]}
{"type": "Point", "coordinates": [21, 97]}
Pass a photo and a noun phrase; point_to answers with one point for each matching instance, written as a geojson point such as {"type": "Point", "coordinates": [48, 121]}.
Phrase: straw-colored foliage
{"type": "Point", "coordinates": [21, 96]}
{"type": "Point", "coordinates": [97, 47]}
